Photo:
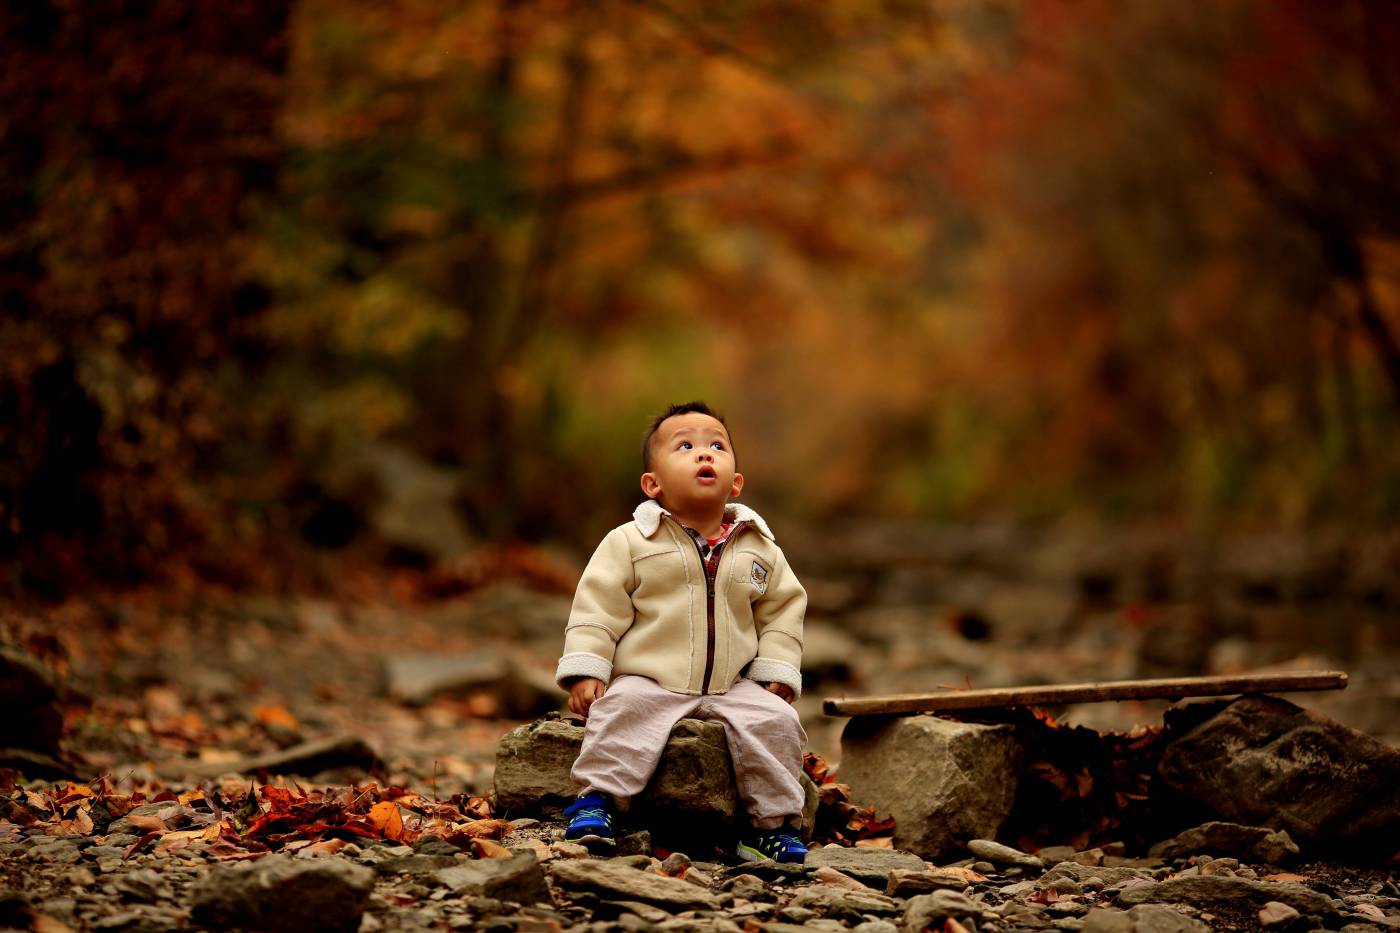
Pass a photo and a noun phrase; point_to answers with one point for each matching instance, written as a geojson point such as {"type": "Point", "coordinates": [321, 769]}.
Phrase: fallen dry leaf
{"type": "Point", "coordinates": [276, 716]}
{"type": "Point", "coordinates": [1286, 876]}
{"type": "Point", "coordinates": [386, 817]}
{"type": "Point", "coordinates": [486, 829]}
{"type": "Point", "coordinates": [147, 822]}
{"type": "Point", "coordinates": [43, 923]}
{"type": "Point", "coordinates": [485, 848]}
{"type": "Point", "coordinates": [327, 846]}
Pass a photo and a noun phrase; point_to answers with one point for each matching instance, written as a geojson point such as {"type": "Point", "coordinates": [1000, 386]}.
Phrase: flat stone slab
{"type": "Point", "coordinates": [283, 895]}
{"type": "Point", "coordinates": [620, 881]}
{"type": "Point", "coordinates": [1248, 843]}
{"type": "Point", "coordinates": [869, 866]}
{"type": "Point", "coordinates": [519, 878]}
{"type": "Point", "coordinates": [1208, 890]}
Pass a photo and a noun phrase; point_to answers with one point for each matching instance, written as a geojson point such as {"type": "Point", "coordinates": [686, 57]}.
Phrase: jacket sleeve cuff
{"type": "Point", "coordinates": [768, 670]}
{"type": "Point", "coordinates": [582, 664]}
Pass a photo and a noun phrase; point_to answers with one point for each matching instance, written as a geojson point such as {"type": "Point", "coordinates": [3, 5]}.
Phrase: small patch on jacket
{"type": "Point", "coordinates": [759, 577]}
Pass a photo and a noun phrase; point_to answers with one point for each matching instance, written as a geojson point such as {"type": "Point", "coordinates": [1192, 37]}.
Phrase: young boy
{"type": "Point", "coordinates": [689, 610]}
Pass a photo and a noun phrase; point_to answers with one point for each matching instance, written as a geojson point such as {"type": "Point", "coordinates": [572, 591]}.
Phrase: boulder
{"type": "Point", "coordinates": [1145, 918]}
{"type": "Point", "coordinates": [906, 884]}
{"type": "Point", "coordinates": [616, 879]}
{"type": "Point", "coordinates": [518, 878]}
{"type": "Point", "coordinates": [926, 911]}
{"type": "Point", "coordinates": [840, 904]}
{"type": "Point", "coordinates": [1247, 843]}
{"type": "Point", "coordinates": [29, 695]}
{"type": "Point", "coordinates": [944, 782]}
{"type": "Point", "coordinates": [1208, 891]}
{"type": "Point", "coordinates": [279, 894]}
{"type": "Point", "coordinates": [693, 784]}
{"type": "Point", "coordinates": [868, 866]}
{"type": "Point", "coordinates": [1263, 761]}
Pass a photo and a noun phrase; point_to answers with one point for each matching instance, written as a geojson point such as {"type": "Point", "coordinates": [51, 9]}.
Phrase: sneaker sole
{"type": "Point", "coordinates": [595, 843]}
{"type": "Point", "coordinates": [750, 854]}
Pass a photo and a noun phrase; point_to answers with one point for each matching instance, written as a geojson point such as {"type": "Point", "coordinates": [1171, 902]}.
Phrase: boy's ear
{"type": "Point", "coordinates": [650, 486]}
{"type": "Point", "coordinates": [738, 485]}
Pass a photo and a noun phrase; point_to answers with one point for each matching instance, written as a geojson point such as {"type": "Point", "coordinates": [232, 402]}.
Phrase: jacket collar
{"type": "Point", "coordinates": [648, 517]}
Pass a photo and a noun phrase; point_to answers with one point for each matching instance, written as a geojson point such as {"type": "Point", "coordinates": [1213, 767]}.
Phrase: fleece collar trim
{"type": "Point", "coordinates": [648, 517]}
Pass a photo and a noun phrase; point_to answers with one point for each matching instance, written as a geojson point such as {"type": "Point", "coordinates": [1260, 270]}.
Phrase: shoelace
{"type": "Point", "coordinates": [778, 842]}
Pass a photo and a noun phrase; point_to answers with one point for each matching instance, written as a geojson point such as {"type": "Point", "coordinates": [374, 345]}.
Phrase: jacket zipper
{"type": "Point", "coordinates": [710, 603]}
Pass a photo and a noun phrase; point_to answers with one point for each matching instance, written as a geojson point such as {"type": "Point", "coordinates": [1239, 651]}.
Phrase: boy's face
{"type": "Point", "coordinates": [692, 464]}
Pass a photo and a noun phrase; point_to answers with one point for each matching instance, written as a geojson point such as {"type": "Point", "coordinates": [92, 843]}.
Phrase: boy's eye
{"type": "Point", "coordinates": [717, 445]}
{"type": "Point", "coordinates": [684, 445]}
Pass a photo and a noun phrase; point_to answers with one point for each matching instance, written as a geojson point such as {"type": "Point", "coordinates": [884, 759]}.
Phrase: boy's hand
{"type": "Point", "coordinates": [583, 692]}
{"type": "Point", "coordinates": [782, 690]}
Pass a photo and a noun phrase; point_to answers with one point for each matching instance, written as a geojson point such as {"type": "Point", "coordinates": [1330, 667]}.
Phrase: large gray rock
{"type": "Point", "coordinates": [278, 894]}
{"type": "Point", "coordinates": [926, 911]}
{"type": "Point", "coordinates": [615, 879]}
{"type": "Point", "coordinates": [1145, 918]}
{"type": "Point", "coordinates": [518, 878]}
{"type": "Point", "coordinates": [842, 904]}
{"type": "Point", "coordinates": [944, 782]}
{"type": "Point", "coordinates": [868, 866]}
{"type": "Point", "coordinates": [693, 784]}
{"type": "Point", "coordinates": [29, 695]}
{"type": "Point", "coordinates": [1205, 891]}
{"type": "Point", "coordinates": [1263, 761]}
{"type": "Point", "coordinates": [1247, 843]}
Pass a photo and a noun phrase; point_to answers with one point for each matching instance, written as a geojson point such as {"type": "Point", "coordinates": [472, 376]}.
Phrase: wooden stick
{"type": "Point", "coordinates": [1167, 688]}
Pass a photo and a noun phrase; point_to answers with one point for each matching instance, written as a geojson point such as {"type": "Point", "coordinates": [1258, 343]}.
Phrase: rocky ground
{"type": "Point", "coordinates": [411, 681]}
{"type": "Point", "coordinates": [541, 884]}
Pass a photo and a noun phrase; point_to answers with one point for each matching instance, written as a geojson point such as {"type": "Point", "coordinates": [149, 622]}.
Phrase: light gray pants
{"type": "Point", "coordinates": [629, 724]}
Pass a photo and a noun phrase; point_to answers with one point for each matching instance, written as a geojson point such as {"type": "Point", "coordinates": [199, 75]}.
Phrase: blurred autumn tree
{"type": "Point", "coordinates": [1192, 238]}
{"type": "Point", "coordinates": [423, 270]}
{"type": "Point", "coordinates": [130, 134]}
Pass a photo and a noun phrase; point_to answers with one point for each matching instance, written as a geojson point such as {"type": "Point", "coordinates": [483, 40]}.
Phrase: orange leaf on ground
{"type": "Point", "coordinates": [1286, 876]}
{"type": "Point", "coordinates": [485, 848]}
{"type": "Point", "coordinates": [486, 829]}
{"type": "Point", "coordinates": [327, 846]}
{"type": "Point", "coordinates": [43, 923]}
{"type": "Point", "coordinates": [276, 716]}
{"type": "Point", "coordinates": [385, 817]}
{"type": "Point", "coordinates": [147, 822]}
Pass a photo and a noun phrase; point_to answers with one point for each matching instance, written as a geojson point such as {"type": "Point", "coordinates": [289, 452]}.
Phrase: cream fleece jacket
{"type": "Point", "coordinates": [642, 607]}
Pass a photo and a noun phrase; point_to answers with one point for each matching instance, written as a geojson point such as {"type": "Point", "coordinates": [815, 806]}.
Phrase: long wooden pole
{"type": "Point", "coordinates": [1167, 688]}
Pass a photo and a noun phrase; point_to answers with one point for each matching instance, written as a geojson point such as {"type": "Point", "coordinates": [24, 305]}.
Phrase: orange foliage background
{"type": "Point", "coordinates": [409, 276]}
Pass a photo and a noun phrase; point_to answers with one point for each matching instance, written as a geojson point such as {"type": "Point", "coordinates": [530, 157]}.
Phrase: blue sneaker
{"type": "Point", "coordinates": [590, 822]}
{"type": "Point", "coordinates": [780, 845]}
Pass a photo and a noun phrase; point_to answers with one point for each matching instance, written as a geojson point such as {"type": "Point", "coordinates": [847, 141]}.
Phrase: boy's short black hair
{"type": "Point", "coordinates": [696, 407]}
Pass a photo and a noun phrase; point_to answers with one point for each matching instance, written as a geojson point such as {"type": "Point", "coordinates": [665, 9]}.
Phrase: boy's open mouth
{"type": "Point", "coordinates": [705, 473]}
